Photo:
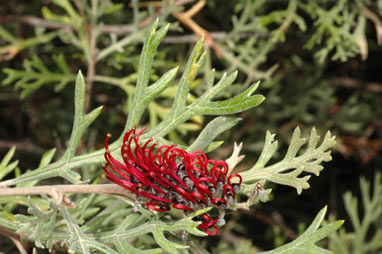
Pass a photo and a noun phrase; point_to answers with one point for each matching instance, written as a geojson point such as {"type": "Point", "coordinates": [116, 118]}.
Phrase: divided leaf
{"type": "Point", "coordinates": [79, 241]}
{"type": "Point", "coordinates": [40, 226]}
{"type": "Point", "coordinates": [288, 170]}
{"type": "Point", "coordinates": [36, 74]}
{"type": "Point", "coordinates": [128, 228]}
{"type": "Point", "coordinates": [5, 166]}
{"type": "Point", "coordinates": [211, 131]}
{"type": "Point", "coordinates": [60, 168]}
{"type": "Point", "coordinates": [367, 233]}
{"type": "Point", "coordinates": [306, 243]}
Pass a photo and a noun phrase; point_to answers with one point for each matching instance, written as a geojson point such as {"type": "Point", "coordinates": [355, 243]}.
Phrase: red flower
{"type": "Point", "coordinates": [172, 177]}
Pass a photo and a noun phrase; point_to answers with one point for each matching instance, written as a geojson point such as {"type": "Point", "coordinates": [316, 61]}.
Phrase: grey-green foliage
{"type": "Point", "coordinates": [72, 31]}
{"type": "Point", "coordinates": [36, 74]}
{"type": "Point", "coordinates": [336, 25]}
{"type": "Point", "coordinates": [337, 30]}
{"type": "Point", "coordinates": [40, 226]}
{"type": "Point", "coordinates": [202, 106]}
{"type": "Point", "coordinates": [8, 204]}
{"type": "Point", "coordinates": [367, 228]}
{"type": "Point", "coordinates": [85, 41]}
{"type": "Point", "coordinates": [16, 45]}
{"type": "Point", "coordinates": [63, 166]}
{"type": "Point", "coordinates": [111, 230]}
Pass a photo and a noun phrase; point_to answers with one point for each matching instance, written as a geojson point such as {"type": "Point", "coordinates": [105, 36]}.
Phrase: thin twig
{"type": "Point", "coordinates": [26, 146]}
{"type": "Point", "coordinates": [105, 189]}
{"type": "Point", "coordinates": [35, 21]}
{"type": "Point", "coordinates": [357, 84]}
{"type": "Point", "coordinates": [377, 22]}
{"type": "Point", "coordinates": [92, 61]}
{"type": "Point", "coordinates": [160, 4]}
{"type": "Point", "coordinates": [118, 46]}
{"type": "Point", "coordinates": [121, 29]}
{"type": "Point", "coordinates": [277, 217]}
{"type": "Point", "coordinates": [15, 238]}
{"type": "Point", "coordinates": [118, 29]}
{"type": "Point", "coordinates": [270, 220]}
{"type": "Point", "coordinates": [186, 19]}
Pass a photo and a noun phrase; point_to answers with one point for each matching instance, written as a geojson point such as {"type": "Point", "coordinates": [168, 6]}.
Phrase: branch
{"type": "Point", "coordinates": [122, 29]}
{"type": "Point", "coordinates": [15, 238]}
{"type": "Point", "coordinates": [357, 84]}
{"type": "Point", "coordinates": [186, 19]}
{"type": "Point", "coordinates": [35, 21]}
{"type": "Point", "coordinates": [52, 190]}
{"type": "Point", "coordinates": [91, 62]}
{"type": "Point", "coordinates": [24, 145]}
{"type": "Point", "coordinates": [377, 22]}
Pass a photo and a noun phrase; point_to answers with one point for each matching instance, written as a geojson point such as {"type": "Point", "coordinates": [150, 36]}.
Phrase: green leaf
{"type": "Point", "coordinates": [36, 74]}
{"type": "Point", "coordinates": [81, 121]}
{"type": "Point", "coordinates": [74, 17]}
{"type": "Point", "coordinates": [230, 106]}
{"type": "Point", "coordinates": [16, 45]}
{"type": "Point", "coordinates": [40, 226]}
{"type": "Point", "coordinates": [47, 158]}
{"type": "Point", "coordinates": [213, 146]}
{"type": "Point", "coordinates": [204, 106]}
{"type": "Point", "coordinates": [366, 234]}
{"type": "Point", "coordinates": [113, 8]}
{"type": "Point", "coordinates": [191, 70]}
{"type": "Point", "coordinates": [7, 36]}
{"type": "Point", "coordinates": [211, 131]}
{"type": "Point", "coordinates": [128, 228]}
{"type": "Point", "coordinates": [159, 86]}
{"type": "Point", "coordinates": [333, 29]}
{"type": "Point", "coordinates": [7, 223]}
{"type": "Point", "coordinates": [59, 168]}
{"type": "Point", "coordinates": [167, 245]}
{"type": "Point", "coordinates": [5, 167]}
{"type": "Point", "coordinates": [306, 243]}
{"type": "Point", "coordinates": [80, 241]}
{"type": "Point", "coordinates": [287, 171]}
{"type": "Point", "coordinates": [145, 62]}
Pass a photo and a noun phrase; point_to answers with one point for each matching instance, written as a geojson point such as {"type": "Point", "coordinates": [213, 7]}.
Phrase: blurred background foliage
{"type": "Point", "coordinates": [319, 63]}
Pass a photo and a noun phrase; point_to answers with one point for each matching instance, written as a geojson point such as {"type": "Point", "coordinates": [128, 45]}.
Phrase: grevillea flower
{"type": "Point", "coordinates": [172, 177]}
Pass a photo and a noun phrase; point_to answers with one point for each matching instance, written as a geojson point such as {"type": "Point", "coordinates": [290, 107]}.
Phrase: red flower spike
{"type": "Point", "coordinates": [188, 181]}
